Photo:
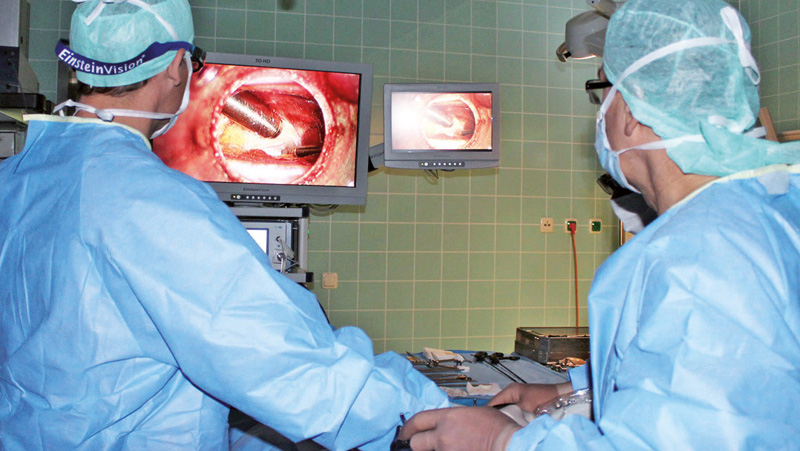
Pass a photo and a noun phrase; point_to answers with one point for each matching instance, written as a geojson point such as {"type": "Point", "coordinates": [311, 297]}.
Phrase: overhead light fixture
{"type": "Point", "coordinates": [585, 34]}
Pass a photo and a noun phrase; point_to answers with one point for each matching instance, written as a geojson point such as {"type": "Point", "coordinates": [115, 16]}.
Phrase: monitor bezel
{"type": "Point", "coordinates": [266, 194]}
{"type": "Point", "coordinates": [440, 159]}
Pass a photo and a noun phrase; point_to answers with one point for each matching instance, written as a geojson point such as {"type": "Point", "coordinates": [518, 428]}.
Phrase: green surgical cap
{"type": "Point", "coordinates": [119, 31]}
{"type": "Point", "coordinates": [705, 90]}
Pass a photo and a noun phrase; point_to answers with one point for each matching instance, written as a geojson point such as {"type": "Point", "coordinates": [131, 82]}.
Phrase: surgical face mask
{"type": "Point", "coordinates": [109, 114]}
{"type": "Point", "coordinates": [609, 158]}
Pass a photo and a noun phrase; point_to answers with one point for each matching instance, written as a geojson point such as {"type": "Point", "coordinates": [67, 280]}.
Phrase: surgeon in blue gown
{"type": "Point", "coordinates": [134, 307]}
{"type": "Point", "coordinates": [695, 322]}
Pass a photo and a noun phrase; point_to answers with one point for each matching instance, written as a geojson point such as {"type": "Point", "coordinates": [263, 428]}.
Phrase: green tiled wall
{"type": "Point", "coordinates": [458, 261]}
{"type": "Point", "coordinates": [775, 25]}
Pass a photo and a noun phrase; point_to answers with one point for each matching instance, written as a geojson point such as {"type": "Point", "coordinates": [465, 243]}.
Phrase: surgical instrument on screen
{"type": "Point", "coordinates": [452, 126]}
{"type": "Point", "coordinates": [435, 114]}
{"type": "Point", "coordinates": [247, 110]}
{"type": "Point", "coordinates": [301, 152]}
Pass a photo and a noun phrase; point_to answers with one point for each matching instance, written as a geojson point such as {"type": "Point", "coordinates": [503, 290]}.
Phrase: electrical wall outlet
{"type": "Point", "coordinates": [546, 225]}
{"type": "Point", "coordinates": [567, 222]}
{"type": "Point", "coordinates": [595, 226]}
{"type": "Point", "coordinates": [330, 280]}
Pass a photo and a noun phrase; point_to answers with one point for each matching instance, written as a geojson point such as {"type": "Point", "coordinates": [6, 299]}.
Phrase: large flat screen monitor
{"type": "Point", "coordinates": [272, 131]}
{"type": "Point", "coordinates": [441, 126]}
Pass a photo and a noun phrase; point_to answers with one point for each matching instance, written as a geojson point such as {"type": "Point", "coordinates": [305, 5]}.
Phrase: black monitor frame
{"type": "Point", "coordinates": [446, 159]}
{"type": "Point", "coordinates": [279, 194]}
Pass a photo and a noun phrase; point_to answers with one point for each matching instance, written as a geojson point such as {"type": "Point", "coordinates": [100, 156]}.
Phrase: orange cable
{"type": "Point", "coordinates": [575, 259]}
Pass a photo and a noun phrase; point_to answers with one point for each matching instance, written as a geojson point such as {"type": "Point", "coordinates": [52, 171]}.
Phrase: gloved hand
{"type": "Point", "coordinates": [459, 429]}
{"type": "Point", "coordinates": [529, 396]}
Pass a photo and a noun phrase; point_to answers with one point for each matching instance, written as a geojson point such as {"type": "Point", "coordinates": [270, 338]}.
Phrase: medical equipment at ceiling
{"type": "Point", "coordinates": [585, 34]}
{"type": "Point", "coordinates": [18, 83]}
{"type": "Point", "coordinates": [16, 74]}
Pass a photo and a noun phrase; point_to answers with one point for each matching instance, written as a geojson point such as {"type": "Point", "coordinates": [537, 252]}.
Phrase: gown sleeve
{"type": "Point", "coordinates": [242, 333]}
{"type": "Point", "coordinates": [580, 376]}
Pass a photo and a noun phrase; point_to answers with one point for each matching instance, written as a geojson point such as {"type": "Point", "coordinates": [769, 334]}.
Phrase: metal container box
{"type": "Point", "coordinates": [551, 344]}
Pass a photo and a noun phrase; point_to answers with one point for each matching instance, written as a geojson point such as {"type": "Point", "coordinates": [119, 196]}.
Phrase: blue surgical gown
{"type": "Point", "coordinates": [695, 328]}
{"type": "Point", "coordinates": [135, 308]}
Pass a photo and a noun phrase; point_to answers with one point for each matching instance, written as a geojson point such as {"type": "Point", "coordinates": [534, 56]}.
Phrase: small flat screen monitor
{"type": "Point", "coordinates": [441, 126]}
{"type": "Point", "coordinates": [272, 131]}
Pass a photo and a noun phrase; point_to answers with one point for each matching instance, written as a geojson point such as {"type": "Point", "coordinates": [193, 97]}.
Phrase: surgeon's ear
{"type": "Point", "coordinates": [173, 71]}
{"type": "Point", "coordinates": [630, 122]}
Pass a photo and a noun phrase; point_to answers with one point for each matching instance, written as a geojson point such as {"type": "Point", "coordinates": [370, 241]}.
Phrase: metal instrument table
{"type": "Point", "coordinates": [482, 373]}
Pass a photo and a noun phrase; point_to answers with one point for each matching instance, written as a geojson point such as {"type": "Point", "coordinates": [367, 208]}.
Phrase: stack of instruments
{"type": "Point", "coordinates": [444, 375]}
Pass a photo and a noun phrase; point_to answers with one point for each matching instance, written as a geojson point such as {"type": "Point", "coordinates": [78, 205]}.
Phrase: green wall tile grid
{"type": "Point", "coordinates": [455, 262]}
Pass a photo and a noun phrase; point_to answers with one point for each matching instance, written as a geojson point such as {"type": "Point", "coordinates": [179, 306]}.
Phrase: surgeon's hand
{"type": "Point", "coordinates": [459, 429]}
{"type": "Point", "coordinates": [529, 396]}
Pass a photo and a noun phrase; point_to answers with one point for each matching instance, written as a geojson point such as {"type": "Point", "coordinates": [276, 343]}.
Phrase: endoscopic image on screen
{"type": "Point", "coordinates": [441, 121]}
{"type": "Point", "coordinates": [249, 124]}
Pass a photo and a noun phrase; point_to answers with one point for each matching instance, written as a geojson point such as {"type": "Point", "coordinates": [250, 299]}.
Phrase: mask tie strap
{"type": "Point", "coordinates": [722, 121]}
{"type": "Point", "coordinates": [758, 132]}
{"type": "Point", "coordinates": [108, 114]}
{"type": "Point", "coordinates": [731, 19]}
{"type": "Point", "coordinates": [666, 144]}
{"type": "Point", "coordinates": [95, 13]}
{"type": "Point", "coordinates": [97, 10]}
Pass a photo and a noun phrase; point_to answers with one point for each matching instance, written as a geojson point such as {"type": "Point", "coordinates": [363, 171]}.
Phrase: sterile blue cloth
{"type": "Point", "coordinates": [134, 308]}
{"type": "Point", "coordinates": [580, 377]}
{"type": "Point", "coordinates": [695, 327]}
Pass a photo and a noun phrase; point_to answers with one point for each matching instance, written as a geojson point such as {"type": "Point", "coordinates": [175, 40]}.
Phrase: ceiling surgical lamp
{"type": "Point", "coordinates": [585, 34]}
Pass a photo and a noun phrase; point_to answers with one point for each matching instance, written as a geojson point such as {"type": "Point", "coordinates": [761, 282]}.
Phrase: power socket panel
{"type": "Point", "coordinates": [567, 223]}
{"type": "Point", "coordinates": [546, 225]}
